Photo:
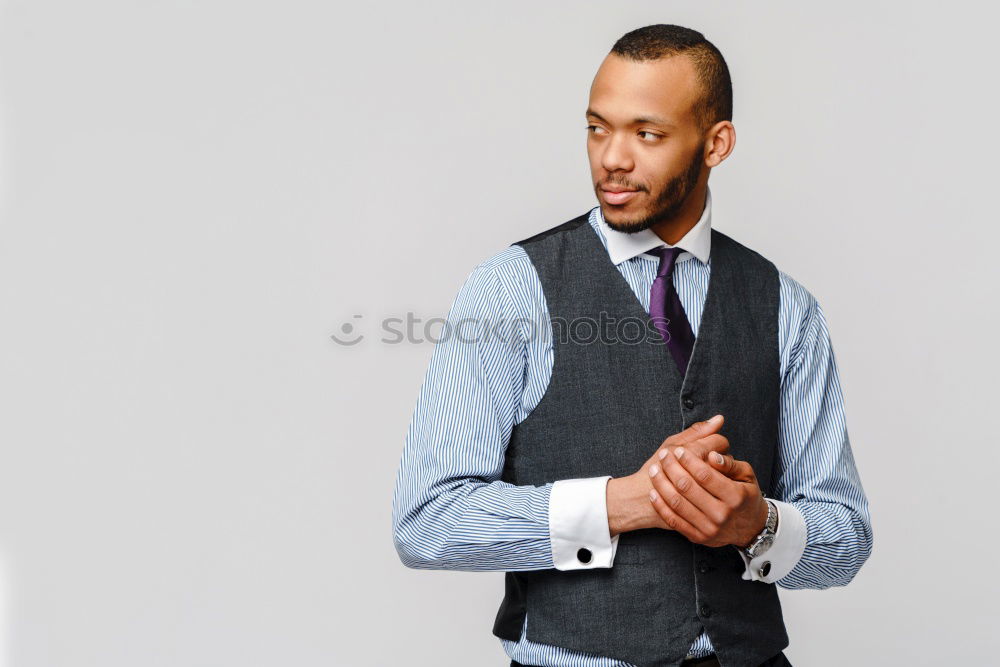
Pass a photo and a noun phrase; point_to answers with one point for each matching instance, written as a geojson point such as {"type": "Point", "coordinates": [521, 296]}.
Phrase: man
{"type": "Point", "coordinates": [635, 417]}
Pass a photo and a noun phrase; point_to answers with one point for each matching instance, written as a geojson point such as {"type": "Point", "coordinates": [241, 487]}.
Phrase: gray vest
{"type": "Point", "coordinates": [606, 409]}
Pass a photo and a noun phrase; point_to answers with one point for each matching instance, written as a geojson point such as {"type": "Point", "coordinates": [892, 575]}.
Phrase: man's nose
{"type": "Point", "coordinates": [617, 156]}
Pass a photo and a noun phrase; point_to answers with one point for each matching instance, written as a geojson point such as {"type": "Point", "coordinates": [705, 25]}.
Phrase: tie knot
{"type": "Point", "coordinates": [667, 258]}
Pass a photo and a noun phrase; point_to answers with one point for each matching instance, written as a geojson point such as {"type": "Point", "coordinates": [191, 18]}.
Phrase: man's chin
{"type": "Point", "coordinates": [627, 224]}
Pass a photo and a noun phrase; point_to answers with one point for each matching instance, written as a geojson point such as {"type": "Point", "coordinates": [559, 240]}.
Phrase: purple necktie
{"type": "Point", "coordinates": [666, 312]}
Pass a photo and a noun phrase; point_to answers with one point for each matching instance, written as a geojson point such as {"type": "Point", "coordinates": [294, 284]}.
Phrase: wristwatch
{"type": "Point", "coordinates": [765, 538]}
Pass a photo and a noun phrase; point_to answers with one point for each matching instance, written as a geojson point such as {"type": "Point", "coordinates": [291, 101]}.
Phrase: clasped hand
{"type": "Point", "coordinates": [704, 494]}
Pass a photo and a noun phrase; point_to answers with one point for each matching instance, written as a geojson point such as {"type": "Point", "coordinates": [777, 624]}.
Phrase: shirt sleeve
{"type": "Point", "coordinates": [824, 528]}
{"type": "Point", "coordinates": [450, 509]}
{"type": "Point", "coordinates": [786, 550]}
{"type": "Point", "coordinates": [578, 524]}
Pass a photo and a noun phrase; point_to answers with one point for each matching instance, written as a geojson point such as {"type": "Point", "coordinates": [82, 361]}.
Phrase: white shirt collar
{"type": "Point", "coordinates": [696, 243]}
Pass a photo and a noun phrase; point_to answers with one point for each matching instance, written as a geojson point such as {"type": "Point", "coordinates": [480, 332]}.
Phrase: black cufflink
{"type": "Point", "coordinates": [584, 555]}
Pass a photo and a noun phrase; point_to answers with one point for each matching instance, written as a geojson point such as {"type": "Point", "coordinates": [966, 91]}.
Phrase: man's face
{"type": "Point", "coordinates": [643, 139]}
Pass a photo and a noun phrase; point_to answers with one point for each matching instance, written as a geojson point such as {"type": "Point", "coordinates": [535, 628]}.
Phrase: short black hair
{"type": "Point", "coordinates": [663, 40]}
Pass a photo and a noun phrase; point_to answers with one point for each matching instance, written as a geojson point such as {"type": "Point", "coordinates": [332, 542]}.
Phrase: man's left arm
{"type": "Point", "coordinates": [824, 532]}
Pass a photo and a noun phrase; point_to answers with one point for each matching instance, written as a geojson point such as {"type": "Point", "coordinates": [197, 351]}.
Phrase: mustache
{"type": "Point", "coordinates": [623, 184]}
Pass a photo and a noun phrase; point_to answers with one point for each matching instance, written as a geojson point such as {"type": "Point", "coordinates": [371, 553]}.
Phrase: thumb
{"type": "Point", "coordinates": [724, 463]}
{"type": "Point", "coordinates": [707, 427]}
{"type": "Point", "coordinates": [734, 469]}
{"type": "Point", "coordinates": [694, 432]}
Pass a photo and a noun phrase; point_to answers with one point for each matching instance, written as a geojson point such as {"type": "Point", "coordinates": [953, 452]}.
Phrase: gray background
{"type": "Point", "coordinates": [196, 195]}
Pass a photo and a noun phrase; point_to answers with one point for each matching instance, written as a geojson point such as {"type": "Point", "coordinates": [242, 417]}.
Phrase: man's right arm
{"type": "Point", "coordinates": [450, 508]}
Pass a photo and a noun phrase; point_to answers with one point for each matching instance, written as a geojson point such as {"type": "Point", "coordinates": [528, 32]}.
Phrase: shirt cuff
{"type": "Point", "coordinates": [784, 553]}
{"type": "Point", "coordinates": [578, 524]}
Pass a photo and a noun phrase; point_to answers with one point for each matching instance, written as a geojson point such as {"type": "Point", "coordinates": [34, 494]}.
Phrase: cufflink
{"type": "Point", "coordinates": [764, 569]}
{"type": "Point", "coordinates": [584, 556]}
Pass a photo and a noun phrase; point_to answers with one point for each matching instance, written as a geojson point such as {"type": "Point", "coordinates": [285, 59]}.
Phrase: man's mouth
{"type": "Point", "coordinates": [616, 195]}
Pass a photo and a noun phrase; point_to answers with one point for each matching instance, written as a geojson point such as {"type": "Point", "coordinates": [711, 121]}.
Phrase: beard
{"type": "Point", "coordinates": [668, 202]}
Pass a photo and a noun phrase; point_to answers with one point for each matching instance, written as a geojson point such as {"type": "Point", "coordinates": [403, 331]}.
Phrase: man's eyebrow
{"type": "Point", "coordinates": [635, 121]}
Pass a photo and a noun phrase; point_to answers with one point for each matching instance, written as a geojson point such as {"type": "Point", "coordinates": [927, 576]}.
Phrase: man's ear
{"type": "Point", "coordinates": [719, 143]}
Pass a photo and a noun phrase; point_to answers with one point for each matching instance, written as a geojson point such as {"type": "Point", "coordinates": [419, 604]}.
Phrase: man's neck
{"type": "Point", "coordinates": [674, 229]}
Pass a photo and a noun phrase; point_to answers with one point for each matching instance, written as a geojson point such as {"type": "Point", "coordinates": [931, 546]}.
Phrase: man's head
{"type": "Point", "coordinates": [659, 118]}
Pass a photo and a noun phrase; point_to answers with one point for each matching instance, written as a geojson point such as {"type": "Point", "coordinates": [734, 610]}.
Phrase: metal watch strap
{"type": "Point", "coordinates": [770, 528]}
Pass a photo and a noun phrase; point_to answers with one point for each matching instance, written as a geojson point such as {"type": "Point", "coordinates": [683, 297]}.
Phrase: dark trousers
{"type": "Point", "coordinates": [708, 661]}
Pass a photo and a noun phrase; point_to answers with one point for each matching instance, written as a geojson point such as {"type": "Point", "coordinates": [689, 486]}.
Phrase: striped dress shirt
{"type": "Point", "coordinates": [490, 368]}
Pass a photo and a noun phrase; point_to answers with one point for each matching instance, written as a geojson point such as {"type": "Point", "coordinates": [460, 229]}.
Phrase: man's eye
{"type": "Point", "coordinates": [593, 129]}
{"type": "Point", "coordinates": [652, 135]}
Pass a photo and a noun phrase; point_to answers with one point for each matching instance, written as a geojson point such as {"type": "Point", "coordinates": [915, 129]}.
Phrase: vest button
{"type": "Point", "coordinates": [705, 611]}
{"type": "Point", "coordinates": [704, 568]}
{"type": "Point", "coordinates": [584, 555]}
{"type": "Point", "coordinates": [688, 402]}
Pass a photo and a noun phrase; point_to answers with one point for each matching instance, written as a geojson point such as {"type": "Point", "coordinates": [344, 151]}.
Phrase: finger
{"type": "Point", "coordinates": [730, 467]}
{"type": "Point", "coordinates": [715, 442]}
{"type": "Point", "coordinates": [721, 462]}
{"type": "Point", "coordinates": [713, 492]}
{"type": "Point", "coordinates": [724, 463]}
{"type": "Point", "coordinates": [702, 448]}
{"type": "Point", "coordinates": [677, 500]}
{"type": "Point", "coordinates": [672, 519]}
{"type": "Point", "coordinates": [695, 431]}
